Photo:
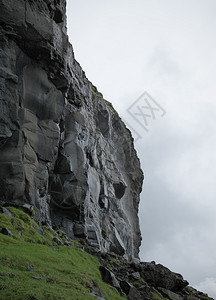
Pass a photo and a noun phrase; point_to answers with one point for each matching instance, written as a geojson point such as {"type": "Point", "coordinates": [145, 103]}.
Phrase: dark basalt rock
{"type": "Point", "coordinates": [142, 280]}
{"type": "Point", "coordinates": [97, 293]}
{"type": "Point", "coordinates": [141, 287]}
{"type": "Point", "coordinates": [39, 230]}
{"type": "Point", "coordinates": [7, 232]}
{"type": "Point", "coordinates": [125, 286]}
{"type": "Point", "coordinates": [66, 156]}
{"type": "Point", "coordinates": [135, 275]}
{"type": "Point", "coordinates": [170, 295]}
{"type": "Point", "coordinates": [57, 241]}
{"type": "Point", "coordinates": [30, 268]}
{"type": "Point", "coordinates": [6, 212]}
{"type": "Point", "coordinates": [110, 278]}
{"type": "Point", "coordinates": [160, 276]}
{"type": "Point", "coordinates": [64, 150]}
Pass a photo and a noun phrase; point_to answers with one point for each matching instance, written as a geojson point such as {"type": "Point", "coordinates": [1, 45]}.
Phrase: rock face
{"type": "Point", "coordinates": [145, 281]}
{"type": "Point", "coordinates": [64, 149]}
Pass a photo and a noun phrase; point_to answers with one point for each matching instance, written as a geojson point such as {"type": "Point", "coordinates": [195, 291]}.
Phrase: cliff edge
{"type": "Point", "coordinates": [68, 162]}
{"type": "Point", "coordinates": [65, 153]}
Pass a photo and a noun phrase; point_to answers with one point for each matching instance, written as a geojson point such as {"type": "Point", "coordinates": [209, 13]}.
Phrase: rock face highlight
{"type": "Point", "coordinates": [64, 149]}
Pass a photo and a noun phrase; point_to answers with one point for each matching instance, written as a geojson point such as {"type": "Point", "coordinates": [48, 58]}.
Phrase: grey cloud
{"type": "Point", "coordinates": [208, 286]}
{"type": "Point", "coordinates": [163, 64]}
{"type": "Point", "coordinates": [168, 49]}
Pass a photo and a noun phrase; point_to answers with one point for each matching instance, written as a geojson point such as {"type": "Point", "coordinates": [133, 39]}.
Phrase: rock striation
{"type": "Point", "coordinates": [67, 158]}
{"type": "Point", "coordinates": [64, 150]}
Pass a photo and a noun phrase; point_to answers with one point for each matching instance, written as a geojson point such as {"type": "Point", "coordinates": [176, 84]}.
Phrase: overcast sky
{"type": "Point", "coordinates": [168, 49]}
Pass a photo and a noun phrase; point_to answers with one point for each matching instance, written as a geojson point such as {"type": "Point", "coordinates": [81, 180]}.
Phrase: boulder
{"type": "Point", "coordinates": [57, 241]}
{"type": "Point", "coordinates": [134, 294]}
{"type": "Point", "coordinates": [97, 292]}
{"type": "Point", "coordinates": [170, 295]}
{"type": "Point", "coordinates": [135, 275]}
{"type": "Point", "coordinates": [125, 286]}
{"type": "Point", "coordinates": [159, 276]}
{"type": "Point", "coordinates": [109, 277]}
{"type": "Point", "coordinates": [6, 212]}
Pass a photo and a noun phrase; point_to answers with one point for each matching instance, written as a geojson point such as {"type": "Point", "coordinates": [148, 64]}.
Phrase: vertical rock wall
{"type": "Point", "coordinates": [64, 149]}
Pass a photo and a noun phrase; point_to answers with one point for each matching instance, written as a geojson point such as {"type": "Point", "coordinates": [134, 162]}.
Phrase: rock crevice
{"type": "Point", "coordinates": [64, 149]}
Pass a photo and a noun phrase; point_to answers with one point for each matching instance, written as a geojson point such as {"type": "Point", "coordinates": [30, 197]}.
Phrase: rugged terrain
{"type": "Point", "coordinates": [40, 263]}
{"type": "Point", "coordinates": [64, 149]}
{"type": "Point", "coordinates": [70, 178]}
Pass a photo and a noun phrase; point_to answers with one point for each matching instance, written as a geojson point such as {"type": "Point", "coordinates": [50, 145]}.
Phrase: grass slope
{"type": "Point", "coordinates": [34, 267]}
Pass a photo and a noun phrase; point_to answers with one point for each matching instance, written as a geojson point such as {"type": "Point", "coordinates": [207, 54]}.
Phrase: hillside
{"type": "Point", "coordinates": [38, 262]}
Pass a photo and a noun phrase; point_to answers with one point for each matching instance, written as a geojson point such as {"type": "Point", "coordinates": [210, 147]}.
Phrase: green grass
{"type": "Point", "coordinates": [157, 296]}
{"type": "Point", "coordinates": [100, 96]}
{"type": "Point", "coordinates": [138, 283]}
{"type": "Point", "coordinates": [109, 104]}
{"type": "Point", "coordinates": [95, 91]}
{"type": "Point", "coordinates": [60, 272]}
{"type": "Point", "coordinates": [23, 229]}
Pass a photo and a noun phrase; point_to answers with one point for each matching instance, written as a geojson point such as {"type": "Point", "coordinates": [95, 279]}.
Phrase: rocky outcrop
{"type": "Point", "coordinates": [129, 279]}
{"type": "Point", "coordinates": [145, 280]}
{"type": "Point", "coordinates": [64, 150]}
{"type": "Point", "coordinates": [67, 159]}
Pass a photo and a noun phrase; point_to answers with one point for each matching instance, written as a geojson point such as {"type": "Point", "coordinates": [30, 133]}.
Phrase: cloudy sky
{"type": "Point", "coordinates": [166, 48]}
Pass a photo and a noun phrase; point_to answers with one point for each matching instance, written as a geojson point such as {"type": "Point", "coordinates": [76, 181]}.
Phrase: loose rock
{"type": "Point", "coordinates": [7, 232]}
{"type": "Point", "coordinates": [109, 277]}
{"type": "Point", "coordinates": [57, 241]}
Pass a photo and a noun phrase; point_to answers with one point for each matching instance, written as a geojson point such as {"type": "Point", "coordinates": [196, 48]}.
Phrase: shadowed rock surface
{"type": "Point", "coordinates": [66, 158]}
{"type": "Point", "coordinates": [64, 149]}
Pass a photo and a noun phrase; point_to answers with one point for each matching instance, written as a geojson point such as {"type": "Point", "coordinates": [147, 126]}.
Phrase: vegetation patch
{"type": "Point", "coordinates": [99, 95]}
{"type": "Point", "coordinates": [109, 104]}
{"type": "Point", "coordinates": [157, 296]}
{"type": "Point", "coordinates": [95, 91]}
{"type": "Point", "coordinates": [138, 282]}
{"type": "Point", "coordinates": [34, 267]}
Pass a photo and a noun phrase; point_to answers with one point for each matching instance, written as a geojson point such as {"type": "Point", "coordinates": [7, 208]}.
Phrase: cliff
{"type": "Point", "coordinates": [65, 153]}
{"type": "Point", "coordinates": [70, 178]}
